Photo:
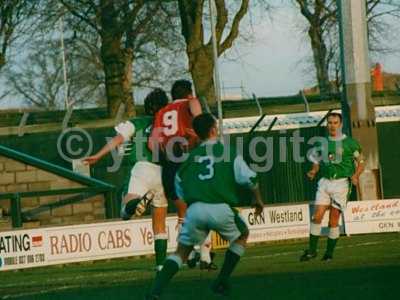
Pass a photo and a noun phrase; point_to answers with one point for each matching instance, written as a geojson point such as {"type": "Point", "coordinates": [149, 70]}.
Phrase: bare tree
{"type": "Point", "coordinates": [322, 29]}
{"type": "Point", "coordinates": [12, 14]}
{"type": "Point", "coordinates": [122, 27]}
{"type": "Point", "coordinates": [199, 50]}
{"type": "Point", "coordinates": [321, 16]}
{"type": "Point", "coordinates": [380, 31]}
{"type": "Point", "coordinates": [153, 63]}
{"type": "Point", "coordinates": [38, 80]}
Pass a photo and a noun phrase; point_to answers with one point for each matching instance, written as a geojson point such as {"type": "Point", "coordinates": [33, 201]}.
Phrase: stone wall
{"type": "Point", "coordinates": [20, 177]}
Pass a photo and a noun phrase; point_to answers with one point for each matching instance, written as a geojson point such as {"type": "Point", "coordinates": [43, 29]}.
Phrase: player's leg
{"type": "Point", "coordinates": [159, 216]}
{"type": "Point", "coordinates": [202, 254]}
{"type": "Point", "coordinates": [190, 235]}
{"type": "Point", "coordinates": [129, 205]}
{"type": "Point", "coordinates": [168, 172]}
{"type": "Point", "coordinates": [340, 192]}
{"type": "Point", "coordinates": [334, 233]}
{"type": "Point", "coordinates": [231, 227]}
{"type": "Point", "coordinates": [170, 267]}
{"type": "Point", "coordinates": [194, 257]}
{"type": "Point", "coordinates": [138, 194]}
{"type": "Point", "coordinates": [206, 257]}
{"type": "Point", "coordinates": [321, 204]}
{"type": "Point", "coordinates": [315, 232]}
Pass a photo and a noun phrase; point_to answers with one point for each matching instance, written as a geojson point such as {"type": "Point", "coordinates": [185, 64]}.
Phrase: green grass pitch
{"type": "Point", "coordinates": [364, 267]}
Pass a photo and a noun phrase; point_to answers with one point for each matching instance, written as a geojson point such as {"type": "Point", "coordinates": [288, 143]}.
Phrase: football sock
{"type": "Point", "coordinates": [332, 240]}
{"type": "Point", "coordinates": [192, 255]}
{"type": "Point", "coordinates": [160, 248]}
{"type": "Point", "coordinates": [232, 257]}
{"type": "Point", "coordinates": [205, 249]}
{"type": "Point", "coordinates": [170, 268]}
{"type": "Point", "coordinates": [315, 231]}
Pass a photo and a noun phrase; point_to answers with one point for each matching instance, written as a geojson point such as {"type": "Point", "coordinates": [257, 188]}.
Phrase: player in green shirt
{"type": "Point", "coordinates": [208, 184]}
{"type": "Point", "coordinates": [339, 161]}
{"type": "Point", "coordinates": [143, 184]}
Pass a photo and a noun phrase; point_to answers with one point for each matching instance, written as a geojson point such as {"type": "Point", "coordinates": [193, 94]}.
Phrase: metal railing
{"type": "Point", "coordinates": [93, 187]}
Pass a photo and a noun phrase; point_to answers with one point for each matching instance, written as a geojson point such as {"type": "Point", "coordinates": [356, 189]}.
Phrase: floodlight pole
{"type": "Point", "coordinates": [217, 83]}
{"type": "Point", "coordinates": [357, 107]}
{"type": "Point", "coordinates": [64, 63]}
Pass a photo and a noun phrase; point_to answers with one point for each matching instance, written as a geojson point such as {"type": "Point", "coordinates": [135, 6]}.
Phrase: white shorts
{"type": "Point", "coordinates": [202, 217]}
{"type": "Point", "coordinates": [332, 192]}
{"type": "Point", "coordinates": [146, 176]}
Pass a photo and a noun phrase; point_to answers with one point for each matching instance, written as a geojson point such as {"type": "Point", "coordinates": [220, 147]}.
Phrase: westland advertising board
{"type": "Point", "coordinates": [57, 245]}
{"type": "Point", "coordinates": [373, 216]}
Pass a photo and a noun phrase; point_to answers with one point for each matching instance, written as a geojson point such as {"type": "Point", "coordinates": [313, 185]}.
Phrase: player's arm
{"type": "Point", "coordinates": [156, 137]}
{"type": "Point", "coordinates": [180, 203]}
{"type": "Point", "coordinates": [313, 157]}
{"type": "Point", "coordinates": [111, 145]}
{"type": "Point", "coordinates": [194, 106]}
{"type": "Point", "coordinates": [360, 166]}
{"type": "Point", "coordinates": [125, 131]}
{"type": "Point", "coordinates": [247, 177]}
{"type": "Point", "coordinates": [313, 171]}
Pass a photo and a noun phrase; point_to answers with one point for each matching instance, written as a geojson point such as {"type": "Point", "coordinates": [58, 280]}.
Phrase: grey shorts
{"type": "Point", "coordinates": [202, 217]}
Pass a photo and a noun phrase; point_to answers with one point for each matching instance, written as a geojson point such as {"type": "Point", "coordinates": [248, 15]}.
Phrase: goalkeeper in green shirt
{"type": "Point", "coordinates": [339, 161]}
{"type": "Point", "coordinates": [208, 183]}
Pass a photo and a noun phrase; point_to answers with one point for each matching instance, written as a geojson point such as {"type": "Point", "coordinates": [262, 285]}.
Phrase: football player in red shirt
{"type": "Point", "coordinates": [173, 136]}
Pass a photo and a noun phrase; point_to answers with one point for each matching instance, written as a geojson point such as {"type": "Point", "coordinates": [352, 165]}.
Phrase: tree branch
{"type": "Point", "coordinates": [235, 27]}
{"type": "Point", "coordinates": [74, 12]}
{"type": "Point", "coordinates": [131, 16]}
{"type": "Point", "coordinates": [305, 11]}
{"type": "Point", "coordinates": [222, 19]}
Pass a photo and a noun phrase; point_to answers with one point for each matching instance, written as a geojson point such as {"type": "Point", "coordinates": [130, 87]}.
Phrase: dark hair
{"type": "Point", "coordinates": [202, 125]}
{"type": "Point", "coordinates": [181, 89]}
{"type": "Point", "coordinates": [335, 115]}
{"type": "Point", "coordinates": [154, 101]}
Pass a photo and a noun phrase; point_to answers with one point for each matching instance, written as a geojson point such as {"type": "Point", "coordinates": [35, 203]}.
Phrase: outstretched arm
{"type": "Point", "coordinates": [246, 176]}
{"type": "Point", "coordinates": [111, 145]}
{"type": "Point", "coordinates": [125, 132]}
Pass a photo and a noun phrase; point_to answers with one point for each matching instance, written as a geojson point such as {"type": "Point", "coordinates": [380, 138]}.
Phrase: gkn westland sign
{"type": "Point", "coordinates": [278, 223]}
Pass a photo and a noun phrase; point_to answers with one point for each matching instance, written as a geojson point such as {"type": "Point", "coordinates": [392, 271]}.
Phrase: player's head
{"type": "Point", "coordinates": [335, 121]}
{"type": "Point", "coordinates": [205, 126]}
{"type": "Point", "coordinates": [154, 101]}
{"type": "Point", "coordinates": [181, 89]}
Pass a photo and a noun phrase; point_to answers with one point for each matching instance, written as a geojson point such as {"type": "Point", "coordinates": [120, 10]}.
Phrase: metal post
{"type": "Point", "coordinates": [108, 205]}
{"type": "Point", "coordinates": [306, 105]}
{"type": "Point", "coordinates": [343, 99]}
{"type": "Point", "coordinates": [357, 90]}
{"type": "Point", "coordinates": [16, 215]}
{"type": "Point", "coordinates": [111, 204]}
{"type": "Point", "coordinates": [216, 71]}
{"type": "Point", "coordinates": [64, 63]}
{"type": "Point", "coordinates": [260, 110]}
{"type": "Point", "coordinates": [22, 124]}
